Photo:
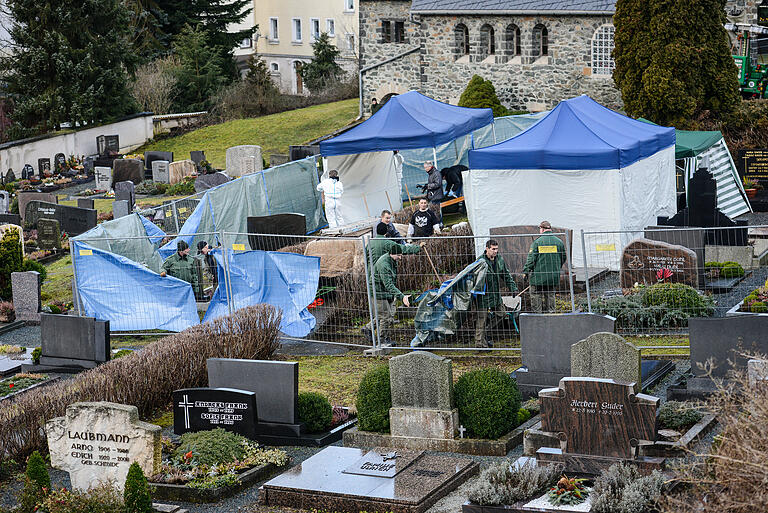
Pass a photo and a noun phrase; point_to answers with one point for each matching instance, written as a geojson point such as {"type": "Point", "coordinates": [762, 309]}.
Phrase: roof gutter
{"type": "Point", "coordinates": [517, 12]}
{"type": "Point", "coordinates": [374, 66]}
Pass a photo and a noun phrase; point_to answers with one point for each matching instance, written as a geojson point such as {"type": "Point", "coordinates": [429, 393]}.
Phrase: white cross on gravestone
{"type": "Point", "coordinates": [186, 405]}
{"type": "Point", "coordinates": [462, 429]}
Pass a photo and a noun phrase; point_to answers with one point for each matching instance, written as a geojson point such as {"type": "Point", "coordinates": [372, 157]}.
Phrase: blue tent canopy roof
{"type": "Point", "coordinates": [578, 134]}
{"type": "Point", "coordinates": [408, 121]}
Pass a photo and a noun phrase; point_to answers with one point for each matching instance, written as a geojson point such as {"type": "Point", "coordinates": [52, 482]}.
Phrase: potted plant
{"type": "Point", "coordinates": [751, 187]}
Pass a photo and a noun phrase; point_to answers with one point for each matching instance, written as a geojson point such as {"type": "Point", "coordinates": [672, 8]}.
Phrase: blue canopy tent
{"type": "Point", "coordinates": [583, 166]}
{"type": "Point", "coordinates": [406, 121]}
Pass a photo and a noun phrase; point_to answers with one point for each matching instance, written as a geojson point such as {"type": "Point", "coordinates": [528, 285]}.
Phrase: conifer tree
{"type": "Point", "coordinates": [323, 69]}
{"type": "Point", "coordinates": [199, 75]}
{"type": "Point", "coordinates": [136, 493]}
{"type": "Point", "coordinates": [480, 93]}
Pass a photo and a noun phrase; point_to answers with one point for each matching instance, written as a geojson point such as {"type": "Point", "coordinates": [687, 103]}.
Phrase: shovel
{"type": "Point", "coordinates": [513, 302]}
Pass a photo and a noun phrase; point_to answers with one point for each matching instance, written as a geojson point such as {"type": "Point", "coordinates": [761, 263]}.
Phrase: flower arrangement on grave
{"type": "Point", "coordinates": [663, 275]}
{"type": "Point", "coordinates": [756, 301]}
{"type": "Point", "coordinates": [568, 492]}
{"type": "Point", "coordinates": [751, 184]}
{"type": "Point", "coordinates": [133, 156]}
{"type": "Point", "coordinates": [58, 307]}
{"type": "Point", "coordinates": [20, 382]}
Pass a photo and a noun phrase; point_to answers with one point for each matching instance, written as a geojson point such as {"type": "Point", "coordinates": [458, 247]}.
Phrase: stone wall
{"type": "Point", "coordinates": [526, 81]}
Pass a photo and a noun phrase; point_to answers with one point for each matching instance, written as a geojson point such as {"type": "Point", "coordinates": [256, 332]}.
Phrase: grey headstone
{"type": "Point", "coordinates": [103, 177]}
{"type": "Point", "coordinates": [607, 356]}
{"type": "Point", "coordinates": [127, 170]}
{"type": "Point", "coordinates": [161, 171]}
{"type": "Point", "coordinates": [73, 220]}
{"type": "Point", "coordinates": [120, 208]}
{"type": "Point", "coordinates": [48, 234]}
{"type": "Point", "coordinates": [10, 219]}
{"type": "Point", "coordinates": [278, 159]}
{"type": "Point", "coordinates": [205, 182]}
{"type": "Point", "coordinates": [85, 203]}
{"type": "Point", "coordinates": [26, 197]}
{"type": "Point", "coordinates": [237, 164]}
{"type": "Point", "coordinates": [151, 157]}
{"type": "Point", "coordinates": [546, 341]}
{"type": "Point", "coordinates": [196, 156]}
{"type": "Point", "coordinates": [757, 371]}
{"type": "Point", "coordinates": [126, 191]}
{"type": "Point", "coordinates": [10, 176]}
{"type": "Point", "coordinates": [276, 385]}
{"type": "Point", "coordinates": [26, 295]}
{"type": "Point", "coordinates": [73, 341]}
{"type": "Point", "coordinates": [725, 340]}
{"type": "Point", "coordinates": [421, 379]}
{"type": "Point", "coordinates": [5, 201]}
{"type": "Point", "coordinates": [88, 165]}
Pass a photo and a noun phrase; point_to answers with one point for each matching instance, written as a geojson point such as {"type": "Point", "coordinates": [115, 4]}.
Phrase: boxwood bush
{"type": "Point", "coordinates": [212, 447]}
{"type": "Point", "coordinates": [374, 399]}
{"type": "Point", "coordinates": [315, 412]}
{"type": "Point", "coordinates": [488, 401]}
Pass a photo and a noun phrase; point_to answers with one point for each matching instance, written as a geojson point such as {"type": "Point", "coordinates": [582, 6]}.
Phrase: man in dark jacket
{"type": "Point", "coordinates": [545, 258]}
{"type": "Point", "coordinates": [180, 265]}
{"type": "Point", "coordinates": [490, 302]}
{"type": "Point", "coordinates": [385, 287]}
{"type": "Point", "coordinates": [433, 187]}
{"type": "Point", "coordinates": [454, 183]}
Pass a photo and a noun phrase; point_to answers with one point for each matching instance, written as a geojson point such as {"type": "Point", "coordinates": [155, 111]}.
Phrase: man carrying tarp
{"type": "Point", "coordinates": [180, 265]}
{"type": "Point", "coordinates": [545, 258]}
{"type": "Point", "coordinates": [490, 303]}
{"type": "Point", "coordinates": [385, 287]}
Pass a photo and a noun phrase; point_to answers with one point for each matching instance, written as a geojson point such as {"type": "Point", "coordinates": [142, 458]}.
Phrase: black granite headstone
{"type": "Point", "coordinates": [88, 165]}
{"type": "Point", "coordinates": [44, 166]}
{"type": "Point", "coordinates": [10, 219]}
{"type": "Point", "coordinates": [205, 182]}
{"type": "Point", "coordinates": [27, 172]}
{"type": "Point", "coordinates": [127, 170]}
{"type": "Point", "coordinates": [197, 156]}
{"type": "Point", "coordinates": [48, 234]}
{"type": "Point", "coordinates": [60, 162]}
{"type": "Point", "coordinates": [73, 220]}
{"type": "Point", "coordinates": [108, 144]}
{"type": "Point", "coordinates": [125, 191]}
{"type": "Point", "coordinates": [71, 341]}
{"type": "Point", "coordinates": [151, 156]}
{"type": "Point", "coordinates": [278, 224]}
{"type": "Point", "coordinates": [10, 176]}
{"type": "Point", "coordinates": [202, 409]}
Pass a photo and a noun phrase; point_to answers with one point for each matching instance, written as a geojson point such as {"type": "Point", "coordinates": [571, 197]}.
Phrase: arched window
{"type": "Point", "coordinates": [512, 40]}
{"type": "Point", "coordinates": [461, 36]}
{"type": "Point", "coordinates": [602, 46]}
{"type": "Point", "coordinates": [540, 41]}
{"type": "Point", "coordinates": [487, 41]}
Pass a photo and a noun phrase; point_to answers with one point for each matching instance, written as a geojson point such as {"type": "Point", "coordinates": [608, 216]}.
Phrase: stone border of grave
{"type": "Point", "coordinates": [734, 311]}
{"type": "Point", "coordinates": [24, 390]}
{"type": "Point", "coordinates": [517, 507]}
{"type": "Point", "coordinates": [475, 446]}
{"type": "Point", "coordinates": [183, 493]}
{"type": "Point", "coordinates": [687, 441]}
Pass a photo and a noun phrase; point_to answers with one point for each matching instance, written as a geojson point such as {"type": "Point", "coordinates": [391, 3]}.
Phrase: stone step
{"type": "Point", "coordinates": [167, 508]}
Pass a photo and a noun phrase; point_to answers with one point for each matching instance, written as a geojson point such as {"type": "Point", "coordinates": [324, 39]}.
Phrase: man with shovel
{"type": "Point", "coordinates": [490, 303]}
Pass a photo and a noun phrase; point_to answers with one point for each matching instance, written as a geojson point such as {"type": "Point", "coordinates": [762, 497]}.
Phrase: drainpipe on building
{"type": "Point", "coordinates": [374, 66]}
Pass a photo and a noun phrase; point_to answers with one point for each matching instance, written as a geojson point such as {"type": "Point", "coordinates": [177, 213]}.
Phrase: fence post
{"type": "Point", "coordinates": [570, 269]}
{"type": "Point", "coordinates": [377, 336]}
{"type": "Point", "coordinates": [368, 291]}
{"type": "Point", "coordinates": [175, 216]}
{"type": "Point", "coordinates": [227, 281]}
{"type": "Point", "coordinates": [586, 271]}
{"type": "Point", "coordinates": [75, 292]}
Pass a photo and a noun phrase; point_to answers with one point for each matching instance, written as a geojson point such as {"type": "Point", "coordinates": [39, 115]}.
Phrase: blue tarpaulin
{"type": "Point", "coordinates": [285, 280]}
{"type": "Point", "coordinates": [408, 121]}
{"type": "Point", "coordinates": [577, 134]}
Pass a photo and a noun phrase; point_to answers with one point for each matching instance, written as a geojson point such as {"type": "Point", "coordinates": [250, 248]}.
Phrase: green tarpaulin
{"type": "Point", "coordinates": [690, 143]}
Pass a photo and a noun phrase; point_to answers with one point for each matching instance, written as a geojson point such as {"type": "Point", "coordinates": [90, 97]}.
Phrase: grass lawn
{"type": "Point", "coordinates": [58, 283]}
{"type": "Point", "coordinates": [274, 133]}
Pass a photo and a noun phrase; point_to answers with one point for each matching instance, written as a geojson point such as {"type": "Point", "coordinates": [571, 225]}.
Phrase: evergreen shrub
{"type": "Point", "coordinates": [136, 495]}
{"type": "Point", "coordinates": [374, 399]}
{"type": "Point", "coordinates": [212, 447]}
{"type": "Point", "coordinates": [488, 401]}
{"type": "Point", "coordinates": [315, 412]}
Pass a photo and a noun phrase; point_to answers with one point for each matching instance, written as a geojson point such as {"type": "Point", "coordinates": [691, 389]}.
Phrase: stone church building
{"type": "Point", "coordinates": [535, 52]}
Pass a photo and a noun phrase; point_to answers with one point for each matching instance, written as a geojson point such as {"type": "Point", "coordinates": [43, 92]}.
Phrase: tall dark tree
{"type": "Point", "coordinates": [199, 75]}
{"type": "Point", "coordinates": [673, 59]}
{"type": "Point", "coordinates": [322, 70]}
{"type": "Point", "coordinates": [71, 61]}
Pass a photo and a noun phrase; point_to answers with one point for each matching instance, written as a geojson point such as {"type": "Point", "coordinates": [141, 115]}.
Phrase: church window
{"type": "Point", "coordinates": [487, 41]}
{"type": "Point", "coordinates": [602, 46]}
{"type": "Point", "coordinates": [512, 40]}
{"type": "Point", "coordinates": [461, 35]}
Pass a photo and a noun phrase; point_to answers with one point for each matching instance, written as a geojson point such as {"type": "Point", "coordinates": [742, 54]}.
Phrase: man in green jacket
{"type": "Point", "coordinates": [380, 245]}
{"type": "Point", "coordinates": [545, 258]}
{"type": "Point", "coordinates": [490, 302]}
{"type": "Point", "coordinates": [180, 265]}
{"type": "Point", "coordinates": [385, 287]}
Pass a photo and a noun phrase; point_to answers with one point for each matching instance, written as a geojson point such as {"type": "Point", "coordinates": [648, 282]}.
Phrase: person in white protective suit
{"type": "Point", "coordinates": [332, 190]}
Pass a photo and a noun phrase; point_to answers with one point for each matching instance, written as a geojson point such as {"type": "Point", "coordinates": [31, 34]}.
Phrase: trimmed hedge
{"type": "Point", "coordinates": [315, 412]}
{"type": "Point", "coordinates": [374, 399]}
{"type": "Point", "coordinates": [488, 401]}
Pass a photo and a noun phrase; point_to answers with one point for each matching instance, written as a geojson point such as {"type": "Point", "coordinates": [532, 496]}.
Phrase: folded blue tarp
{"type": "Point", "coordinates": [285, 280]}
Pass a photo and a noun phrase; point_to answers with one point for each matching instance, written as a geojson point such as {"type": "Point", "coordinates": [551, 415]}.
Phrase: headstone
{"type": "Point", "coordinates": [202, 409]}
{"type": "Point", "coordinates": [103, 178]}
{"type": "Point", "coordinates": [276, 385]}
{"type": "Point", "coordinates": [71, 341]}
{"type": "Point", "coordinates": [26, 197]}
{"type": "Point", "coordinates": [724, 341]}
{"type": "Point", "coordinates": [196, 156]}
{"type": "Point", "coordinates": [60, 162]}
{"type": "Point", "coordinates": [600, 421]}
{"type": "Point", "coordinates": [177, 171]}
{"type": "Point", "coordinates": [160, 171]}
{"type": "Point", "coordinates": [10, 176]}
{"type": "Point", "coordinates": [73, 220]}
{"type": "Point", "coordinates": [422, 396]}
{"type": "Point", "coordinates": [236, 156]}
{"type": "Point", "coordinates": [97, 443]}
{"type": "Point", "coordinates": [153, 156]}
{"type": "Point", "coordinates": [278, 159]}
{"type": "Point", "coordinates": [120, 208]}
{"type": "Point", "coordinates": [546, 341]}
{"type": "Point", "coordinates": [48, 234]}
{"type": "Point", "coordinates": [608, 356]}
{"type": "Point", "coordinates": [127, 170]}
{"type": "Point", "coordinates": [44, 167]}
{"type": "Point", "coordinates": [301, 151]}
{"type": "Point", "coordinates": [757, 371]}
{"type": "Point", "coordinates": [641, 259]}
{"type": "Point", "coordinates": [126, 191]}
{"type": "Point", "coordinates": [27, 172]}
{"type": "Point", "coordinates": [85, 203]}
{"type": "Point", "coordinates": [205, 182]}
{"type": "Point", "coordinates": [277, 224]}
{"type": "Point", "coordinates": [5, 201]}
{"type": "Point", "coordinates": [26, 295]}
{"type": "Point", "coordinates": [88, 165]}
{"type": "Point", "coordinates": [108, 145]}
{"type": "Point", "coordinates": [14, 219]}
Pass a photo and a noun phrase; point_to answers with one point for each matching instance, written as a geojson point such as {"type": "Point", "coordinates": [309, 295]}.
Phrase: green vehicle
{"type": "Point", "coordinates": [753, 77]}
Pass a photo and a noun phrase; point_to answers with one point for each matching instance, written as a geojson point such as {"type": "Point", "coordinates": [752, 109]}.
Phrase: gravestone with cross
{"type": "Point", "coordinates": [60, 162]}
{"type": "Point", "coordinates": [27, 172]}
{"type": "Point", "coordinates": [599, 422]}
{"type": "Point", "coordinates": [200, 409]}
{"type": "Point", "coordinates": [44, 166]}
{"type": "Point", "coordinates": [103, 177]}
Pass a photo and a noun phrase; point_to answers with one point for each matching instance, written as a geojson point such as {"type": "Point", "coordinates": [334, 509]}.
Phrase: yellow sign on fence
{"type": "Point", "coordinates": [547, 249]}
{"type": "Point", "coordinates": [605, 247]}
{"type": "Point", "coordinates": [182, 210]}
{"type": "Point", "coordinates": [238, 247]}
{"type": "Point", "coordinates": [86, 252]}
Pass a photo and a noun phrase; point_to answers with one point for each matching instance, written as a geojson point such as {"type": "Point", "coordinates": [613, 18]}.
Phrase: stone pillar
{"type": "Point", "coordinates": [26, 295]}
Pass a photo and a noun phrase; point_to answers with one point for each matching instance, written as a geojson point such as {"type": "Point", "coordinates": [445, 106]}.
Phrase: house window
{"type": "Point", "coordinates": [461, 40]}
{"type": "Point", "coordinates": [314, 26]}
{"type": "Point", "coordinates": [349, 5]}
{"type": "Point", "coordinates": [540, 41]}
{"type": "Point", "coordinates": [602, 46]}
{"type": "Point", "coordinates": [296, 30]}
{"type": "Point", "coordinates": [350, 43]}
{"type": "Point", "coordinates": [393, 31]}
{"type": "Point", "coordinates": [246, 43]}
{"type": "Point", "coordinates": [275, 67]}
{"type": "Point", "coordinates": [512, 40]}
{"type": "Point", "coordinates": [386, 31]}
{"type": "Point", "coordinates": [487, 41]}
{"type": "Point", "coordinates": [273, 35]}
{"type": "Point", "coordinates": [330, 27]}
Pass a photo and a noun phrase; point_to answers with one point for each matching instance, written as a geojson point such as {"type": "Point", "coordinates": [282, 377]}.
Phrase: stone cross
{"type": "Point", "coordinates": [606, 355]}
{"type": "Point", "coordinates": [462, 430]}
{"type": "Point", "coordinates": [97, 442]}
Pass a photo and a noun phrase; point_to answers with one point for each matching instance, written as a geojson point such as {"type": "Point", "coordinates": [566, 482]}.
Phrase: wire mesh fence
{"type": "Point", "coordinates": [653, 281]}
{"type": "Point", "coordinates": [171, 215]}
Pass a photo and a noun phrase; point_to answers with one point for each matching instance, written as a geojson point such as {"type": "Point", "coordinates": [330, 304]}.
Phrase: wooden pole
{"type": "Point", "coordinates": [389, 201]}
{"type": "Point", "coordinates": [366, 206]}
{"type": "Point", "coordinates": [439, 281]}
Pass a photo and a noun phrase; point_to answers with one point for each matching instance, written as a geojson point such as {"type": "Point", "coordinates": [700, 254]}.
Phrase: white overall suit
{"type": "Point", "coordinates": [332, 190]}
